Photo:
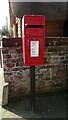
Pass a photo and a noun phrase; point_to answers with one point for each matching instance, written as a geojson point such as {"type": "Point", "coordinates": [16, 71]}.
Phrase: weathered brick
{"type": "Point", "coordinates": [6, 56]}
{"type": "Point", "coordinates": [5, 51]}
{"type": "Point", "coordinates": [8, 74]}
{"type": "Point", "coordinates": [50, 76]}
{"type": "Point", "coordinates": [10, 65]}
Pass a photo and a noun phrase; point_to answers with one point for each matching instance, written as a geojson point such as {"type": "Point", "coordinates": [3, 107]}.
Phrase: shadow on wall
{"type": "Point", "coordinates": [65, 29]}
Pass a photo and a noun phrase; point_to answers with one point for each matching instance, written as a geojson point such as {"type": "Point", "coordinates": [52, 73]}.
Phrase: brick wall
{"type": "Point", "coordinates": [49, 77]}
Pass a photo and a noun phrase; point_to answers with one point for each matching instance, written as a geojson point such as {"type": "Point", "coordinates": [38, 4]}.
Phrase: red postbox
{"type": "Point", "coordinates": [33, 39]}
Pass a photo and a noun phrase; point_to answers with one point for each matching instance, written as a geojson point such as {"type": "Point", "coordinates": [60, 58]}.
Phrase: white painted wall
{"type": "Point", "coordinates": [1, 74]}
{"type": "Point", "coordinates": [1, 83]}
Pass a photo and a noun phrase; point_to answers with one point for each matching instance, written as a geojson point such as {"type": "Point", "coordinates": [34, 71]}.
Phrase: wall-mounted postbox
{"type": "Point", "coordinates": [33, 39]}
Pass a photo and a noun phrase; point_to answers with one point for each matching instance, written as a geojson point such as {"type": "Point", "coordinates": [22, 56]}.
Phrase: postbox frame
{"type": "Point", "coordinates": [33, 30]}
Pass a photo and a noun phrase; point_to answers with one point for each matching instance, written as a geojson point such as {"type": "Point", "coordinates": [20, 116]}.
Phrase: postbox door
{"type": "Point", "coordinates": [34, 51]}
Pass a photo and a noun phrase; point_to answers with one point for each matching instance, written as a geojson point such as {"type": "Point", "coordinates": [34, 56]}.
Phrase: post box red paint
{"type": "Point", "coordinates": [33, 39]}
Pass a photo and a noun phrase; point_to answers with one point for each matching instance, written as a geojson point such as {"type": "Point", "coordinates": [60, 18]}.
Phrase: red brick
{"type": "Point", "coordinates": [10, 65]}
{"type": "Point", "coordinates": [6, 56]}
{"type": "Point", "coordinates": [12, 78]}
{"type": "Point", "coordinates": [8, 74]}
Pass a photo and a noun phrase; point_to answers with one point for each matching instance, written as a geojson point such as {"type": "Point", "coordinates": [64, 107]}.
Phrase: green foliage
{"type": "Point", "coordinates": [6, 32]}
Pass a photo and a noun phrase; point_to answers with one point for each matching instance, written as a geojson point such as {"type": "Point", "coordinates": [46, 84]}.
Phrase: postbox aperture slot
{"type": "Point", "coordinates": [34, 26]}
